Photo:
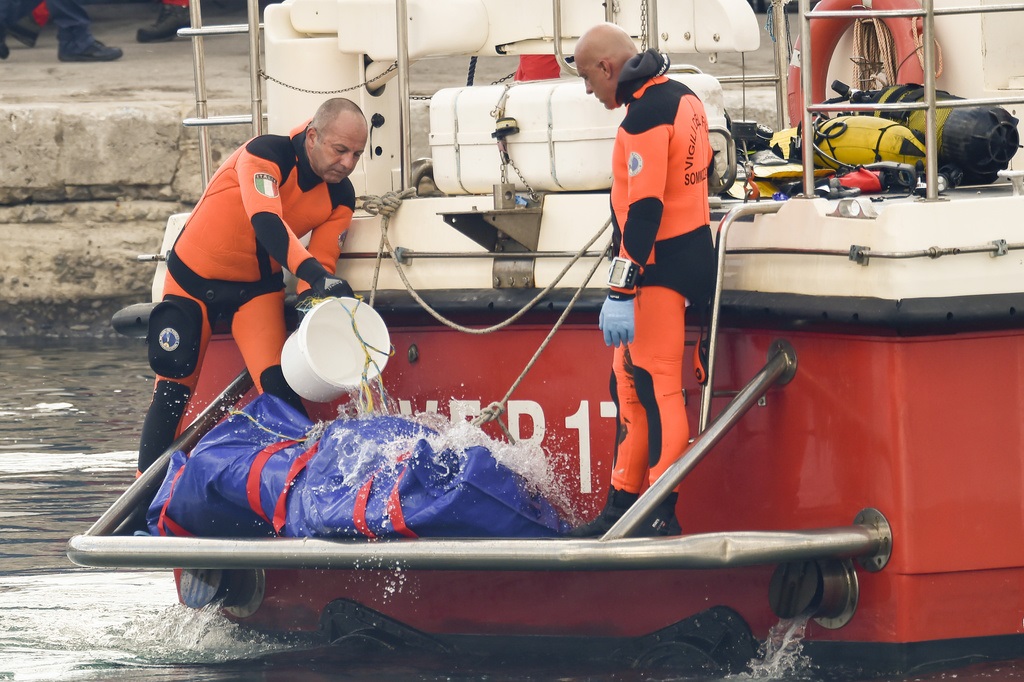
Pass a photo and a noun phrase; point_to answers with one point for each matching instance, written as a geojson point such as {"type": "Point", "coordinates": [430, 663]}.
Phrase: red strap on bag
{"type": "Point", "coordinates": [252, 483]}
{"type": "Point", "coordinates": [281, 510]}
{"type": "Point", "coordinates": [359, 510]}
{"type": "Point", "coordinates": [395, 509]}
{"type": "Point", "coordinates": [164, 523]}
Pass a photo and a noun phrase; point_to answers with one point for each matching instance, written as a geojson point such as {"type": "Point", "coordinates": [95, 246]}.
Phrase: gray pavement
{"type": "Point", "coordinates": [162, 72]}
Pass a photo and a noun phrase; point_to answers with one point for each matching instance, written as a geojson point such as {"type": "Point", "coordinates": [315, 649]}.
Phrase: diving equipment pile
{"type": "Point", "coordinates": [885, 151]}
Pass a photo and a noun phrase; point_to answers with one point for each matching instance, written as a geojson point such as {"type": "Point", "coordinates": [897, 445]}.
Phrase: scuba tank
{"type": "Point", "coordinates": [979, 141]}
{"type": "Point", "coordinates": [862, 140]}
{"type": "Point", "coordinates": [850, 141]}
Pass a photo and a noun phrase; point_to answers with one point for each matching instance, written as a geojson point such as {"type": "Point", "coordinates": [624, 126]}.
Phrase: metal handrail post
{"type": "Point", "coordinates": [724, 227]}
{"type": "Point", "coordinates": [780, 367]}
{"type": "Point", "coordinates": [195, 13]}
{"type": "Point", "coordinates": [653, 39]}
{"type": "Point", "coordinates": [931, 127]}
{"type": "Point", "coordinates": [556, 30]}
{"type": "Point", "coordinates": [255, 85]}
{"type": "Point", "coordinates": [778, 10]}
{"type": "Point", "coordinates": [806, 85]}
{"type": "Point", "coordinates": [404, 109]}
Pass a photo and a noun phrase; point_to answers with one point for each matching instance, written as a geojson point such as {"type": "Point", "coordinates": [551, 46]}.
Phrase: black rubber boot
{"type": "Point", "coordinates": [618, 502]}
{"type": "Point", "coordinates": [25, 31]}
{"type": "Point", "coordinates": [170, 19]}
{"type": "Point", "coordinates": [662, 520]}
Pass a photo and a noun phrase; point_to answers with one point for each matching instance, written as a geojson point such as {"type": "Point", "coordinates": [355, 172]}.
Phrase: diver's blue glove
{"type": "Point", "coordinates": [617, 320]}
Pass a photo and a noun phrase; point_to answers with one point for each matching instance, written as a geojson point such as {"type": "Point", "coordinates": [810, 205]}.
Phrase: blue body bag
{"type": "Point", "coordinates": [257, 474]}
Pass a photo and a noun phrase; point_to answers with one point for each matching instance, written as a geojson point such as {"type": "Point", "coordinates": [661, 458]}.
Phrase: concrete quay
{"type": "Point", "coordinates": [95, 157]}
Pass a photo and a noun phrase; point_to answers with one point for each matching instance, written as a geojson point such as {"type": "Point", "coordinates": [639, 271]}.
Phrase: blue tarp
{"type": "Point", "coordinates": [257, 474]}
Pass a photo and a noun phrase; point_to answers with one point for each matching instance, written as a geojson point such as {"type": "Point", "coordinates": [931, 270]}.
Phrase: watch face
{"type": "Point", "coordinates": [622, 273]}
{"type": "Point", "coordinates": [617, 277]}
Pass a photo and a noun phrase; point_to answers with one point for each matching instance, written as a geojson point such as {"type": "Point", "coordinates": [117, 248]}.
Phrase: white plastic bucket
{"type": "Point", "coordinates": [338, 342]}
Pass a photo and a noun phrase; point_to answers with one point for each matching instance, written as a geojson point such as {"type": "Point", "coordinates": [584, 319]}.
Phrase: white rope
{"type": "Point", "coordinates": [494, 410]}
{"type": "Point", "coordinates": [502, 325]}
{"type": "Point", "coordinates": [386, 206]}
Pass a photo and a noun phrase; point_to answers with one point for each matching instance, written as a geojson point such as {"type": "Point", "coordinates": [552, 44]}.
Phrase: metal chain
{"type": "Point", "coordinates": [643, 25]}
{"type": "Point", "coordinates": [504, 178]}
{"type": "Point", "coordinates": [266, 76]}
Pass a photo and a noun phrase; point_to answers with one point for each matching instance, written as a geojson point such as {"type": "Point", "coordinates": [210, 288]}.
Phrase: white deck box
{"type": "Point", "coordinates": [564, 141]}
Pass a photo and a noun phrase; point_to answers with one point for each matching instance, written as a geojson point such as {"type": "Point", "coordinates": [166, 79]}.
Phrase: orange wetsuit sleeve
{"type": "Point", "coordinates": [645, 156]}
{"type": "Point", "coordinates": [259, 181]}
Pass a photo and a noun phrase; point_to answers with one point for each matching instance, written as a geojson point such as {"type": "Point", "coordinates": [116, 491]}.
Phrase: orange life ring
{"type": "Point", "coordinates": [825, 35]}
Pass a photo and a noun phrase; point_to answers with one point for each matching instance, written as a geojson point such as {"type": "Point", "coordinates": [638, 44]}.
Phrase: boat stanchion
{"type": "Point", "coordinates": [827, 589]}
{"type": "Point", "coordinates": [779, 370]}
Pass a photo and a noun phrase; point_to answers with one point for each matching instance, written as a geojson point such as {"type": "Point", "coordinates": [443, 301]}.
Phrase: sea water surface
{"type": "Point", "coordinates": [69, 417]}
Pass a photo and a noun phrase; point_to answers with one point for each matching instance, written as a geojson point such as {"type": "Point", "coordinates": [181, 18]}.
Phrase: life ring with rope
{"type": "Point", "coordinates": [825, 36]}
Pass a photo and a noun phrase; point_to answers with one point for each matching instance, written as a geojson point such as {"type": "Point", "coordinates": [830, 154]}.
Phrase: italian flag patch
{"type": "Point", "coordinates": [266, 185]}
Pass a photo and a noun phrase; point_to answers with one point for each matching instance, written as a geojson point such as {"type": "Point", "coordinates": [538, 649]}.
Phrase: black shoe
{"type": "Point", "coordinates": [618, 502]}
{"type": "Point", "coordinates": [662, 521]}
{"type": "Point", "coordinates": [170, 19]}
{"type": "Point", "coordinates": [25, 31]}
{"type": "Point", "coordinates": [5, 51]}
{"type": "Point", "coordinates": [97, 52]}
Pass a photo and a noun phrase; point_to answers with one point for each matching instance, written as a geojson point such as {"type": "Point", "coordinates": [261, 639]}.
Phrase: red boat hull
{"type": "Point", "coordinates": [925, 429]}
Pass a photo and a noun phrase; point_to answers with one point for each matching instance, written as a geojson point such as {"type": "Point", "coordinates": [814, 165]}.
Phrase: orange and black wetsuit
{"type": "Point", "coordinates": [227, 265]}
{"type": "Point", "coordinates": [659, 202]}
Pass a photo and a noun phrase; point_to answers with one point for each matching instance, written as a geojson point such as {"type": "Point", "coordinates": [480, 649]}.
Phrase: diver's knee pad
{"type": "Point", "coordinates": [175, 332]}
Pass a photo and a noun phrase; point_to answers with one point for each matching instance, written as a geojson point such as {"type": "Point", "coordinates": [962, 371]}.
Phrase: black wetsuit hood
{"type": "Point", "coordinates": [638, 71]}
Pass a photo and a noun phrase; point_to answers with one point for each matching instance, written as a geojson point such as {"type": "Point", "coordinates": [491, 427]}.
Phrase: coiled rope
{"type": "Point", "coordinates": [386, 205]}
{"type": "Point", "coordinates": [875, 54]}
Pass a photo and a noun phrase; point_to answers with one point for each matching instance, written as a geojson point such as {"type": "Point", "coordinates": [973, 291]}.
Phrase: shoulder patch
{"type": "Point", "coordinates": [266, 185]}
{"type": "Point", "coordinates": [635, 164]}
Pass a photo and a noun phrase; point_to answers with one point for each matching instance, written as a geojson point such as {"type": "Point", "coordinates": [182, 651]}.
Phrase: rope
{"type": "Point", "coordinates": [471, 76]}
{"type": "Point", "coordinates": [493, 411]}
{"type": "Point", "coordinates": [874, 55]}
{"type": "Point", "coordinates": [386, 205]}
{"type": "Point", "coordinates": [235, 412]}
{"type": "Point", "coordinates": [919, 49]}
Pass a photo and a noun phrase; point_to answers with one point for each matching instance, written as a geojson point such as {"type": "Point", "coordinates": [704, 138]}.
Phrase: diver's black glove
{"type": "Point", "coordinates": [327, 287]}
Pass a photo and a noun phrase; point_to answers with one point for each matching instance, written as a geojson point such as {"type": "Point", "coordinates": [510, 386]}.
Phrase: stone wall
{"type": "Point", "coordinates": [84, 190]}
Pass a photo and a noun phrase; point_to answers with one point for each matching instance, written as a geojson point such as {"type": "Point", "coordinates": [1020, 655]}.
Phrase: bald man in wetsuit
{"type": "Point", "coordinates": [226, 264]}
{"type": "Point", "coordinates": [665, 261]}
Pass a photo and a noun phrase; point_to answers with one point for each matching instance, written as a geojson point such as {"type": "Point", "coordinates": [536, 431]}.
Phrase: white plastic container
{"type": "Point", "coordinates": [564, 141]}
{"type": "Point", "coordinates": [340, 343]}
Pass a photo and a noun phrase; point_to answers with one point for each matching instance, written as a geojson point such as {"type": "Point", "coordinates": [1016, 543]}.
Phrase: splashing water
{"type": "Point", "coordinates": [65, 626]}
{"type": "Point", "coordinates": [781, 655]}
{"type": "Point", "coordinates": [525, 458]}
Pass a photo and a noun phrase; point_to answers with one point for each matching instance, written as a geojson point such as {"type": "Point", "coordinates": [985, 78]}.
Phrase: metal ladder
{"type": "Point", "coordinates": [202, 120]}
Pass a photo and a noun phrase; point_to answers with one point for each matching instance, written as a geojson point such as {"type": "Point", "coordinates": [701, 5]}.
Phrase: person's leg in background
{"type": "Point", "coordinates": [173, 15]}
{"type": "Point", "coordinates": [75, 40]}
